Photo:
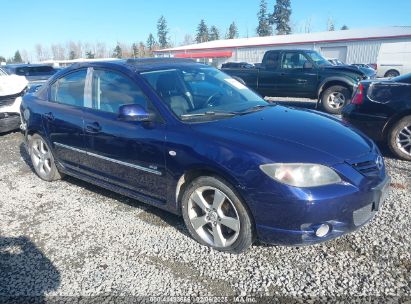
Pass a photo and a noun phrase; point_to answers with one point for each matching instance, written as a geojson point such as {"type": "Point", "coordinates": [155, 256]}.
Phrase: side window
{"type": "Point", "coordinates": [271, 60]}
{"type": "Point", "coordinates": [69, 89]}
{"type": "Point", "coordinates": [294, 60]}
{"type": "Point", "coordinates": [112, 90]}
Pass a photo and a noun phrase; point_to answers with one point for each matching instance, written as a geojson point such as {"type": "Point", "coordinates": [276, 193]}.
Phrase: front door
{"type": "Point", "coordinates": [63, 119]}
{"type": "Point", "coordinates": [298, 75]}
{"type": "Point", "coordinates": [128, 154]}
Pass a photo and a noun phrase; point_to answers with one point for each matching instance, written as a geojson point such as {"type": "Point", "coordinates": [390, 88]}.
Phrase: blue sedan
{"type": "Point", "coordinates": [189, 139]}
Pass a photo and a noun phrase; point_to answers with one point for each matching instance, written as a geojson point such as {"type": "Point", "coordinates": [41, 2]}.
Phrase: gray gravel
{"type": "Point", "coordinates": [71, 238]}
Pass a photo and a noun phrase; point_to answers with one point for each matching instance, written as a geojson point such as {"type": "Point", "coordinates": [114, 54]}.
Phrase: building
{"type": "Point", "coordinates": [350, 46]}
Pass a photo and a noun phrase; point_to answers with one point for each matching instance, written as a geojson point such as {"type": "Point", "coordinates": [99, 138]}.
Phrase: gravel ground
{"type": "Point", "coordinates": [69, 238]}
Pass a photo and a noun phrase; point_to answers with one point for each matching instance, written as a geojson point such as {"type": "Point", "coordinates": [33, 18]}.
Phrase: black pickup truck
{"type": "Point", "coordinates": [301, 73]}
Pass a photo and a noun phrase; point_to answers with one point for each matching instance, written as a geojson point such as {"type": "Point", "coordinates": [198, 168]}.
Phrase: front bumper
{"type": "Point", "coordinates": [343, 208]}
{"type": "Point", "coordinates": [9, 122]}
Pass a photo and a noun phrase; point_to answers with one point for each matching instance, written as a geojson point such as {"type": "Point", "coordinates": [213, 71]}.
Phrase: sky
{"type": "Point", "coordinates": [26, 23]}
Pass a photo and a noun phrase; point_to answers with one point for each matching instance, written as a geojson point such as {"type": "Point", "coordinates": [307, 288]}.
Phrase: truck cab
{"type": "Point", "coordinates": [302, 73]}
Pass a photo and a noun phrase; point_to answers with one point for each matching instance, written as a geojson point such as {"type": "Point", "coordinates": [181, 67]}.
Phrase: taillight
{"type": "Point", "coordinates": [358, 96]}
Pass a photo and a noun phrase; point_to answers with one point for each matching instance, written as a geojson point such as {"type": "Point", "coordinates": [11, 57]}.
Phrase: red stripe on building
{"type": "Point", "coordinates": [204, 55]}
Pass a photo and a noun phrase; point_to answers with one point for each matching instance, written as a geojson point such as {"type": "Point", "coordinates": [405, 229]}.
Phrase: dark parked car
{"type": "Point", "coordinates": [187, 138]}
{"type": "Point", "coordinates": [34, 73]}
{"type": "Point", "coordinates": [243, 65]}
{"type": "Point", "coordinates": [302, 73]}
{"type": "Point", "coordinates": [382, 110]}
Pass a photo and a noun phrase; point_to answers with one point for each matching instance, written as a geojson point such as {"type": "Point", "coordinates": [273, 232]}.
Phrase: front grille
{"type": "Point", "coordinates": [7, 101]}
{"type": "Point", "coordinates": [367, 168]}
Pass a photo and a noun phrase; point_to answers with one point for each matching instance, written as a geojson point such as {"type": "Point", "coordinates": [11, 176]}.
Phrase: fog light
{"type": "Point", "coordinates": [322, 230]}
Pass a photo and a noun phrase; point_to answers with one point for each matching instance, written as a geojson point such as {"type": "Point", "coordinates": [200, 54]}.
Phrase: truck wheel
{"type": "Point", "coordinates": [399, 139]}
{"type": "Point", "coordinates": [335, 98]}
{"type": "Point", "coordinates": [391, 74]}
{"type": "Point", "coordinates": [215, 216]}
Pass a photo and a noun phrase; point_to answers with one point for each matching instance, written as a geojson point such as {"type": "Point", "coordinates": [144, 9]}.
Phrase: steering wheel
{"type": "Point", "coordinates": [212, 100]}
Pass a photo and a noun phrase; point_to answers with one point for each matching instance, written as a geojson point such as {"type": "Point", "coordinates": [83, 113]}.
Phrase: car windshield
{"type": "Point", "coordinates": [204, 93]}
{"type": "Point", "coordinates": [318, 59]}
{"type": "Point", "coordinates": [3, 72]}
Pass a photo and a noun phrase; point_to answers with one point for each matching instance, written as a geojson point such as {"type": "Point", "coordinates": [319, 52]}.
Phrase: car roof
{"type": "Point", "coordinates": [142, 65]}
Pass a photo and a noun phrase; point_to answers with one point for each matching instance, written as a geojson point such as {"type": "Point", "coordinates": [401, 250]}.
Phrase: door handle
{"type": "Point", "coordinates": [49, 116]}
{"type": "Point", "coordinates": [93, 127]}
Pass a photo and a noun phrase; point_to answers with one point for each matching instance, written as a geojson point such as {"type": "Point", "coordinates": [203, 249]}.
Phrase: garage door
{"type": "Point", "coordinates": [339, 52]}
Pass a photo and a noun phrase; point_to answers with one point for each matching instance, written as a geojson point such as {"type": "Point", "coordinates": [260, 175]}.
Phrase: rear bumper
{"type": "Point", "coordinates": [9, 122]}
{"type": "Point", "coordinates": [342, 215]}
{"type": "Point", "coordinates": [371, 125]}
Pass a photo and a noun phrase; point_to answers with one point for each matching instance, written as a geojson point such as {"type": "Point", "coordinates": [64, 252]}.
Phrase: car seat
{"type": "Point", "coordinates": [170, 90]}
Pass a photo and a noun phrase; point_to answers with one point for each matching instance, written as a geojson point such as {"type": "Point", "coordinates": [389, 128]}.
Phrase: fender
{"type": "Point", "coordinates": [327, 80]}
{"type": "Point", "coordinates": [351, 84]}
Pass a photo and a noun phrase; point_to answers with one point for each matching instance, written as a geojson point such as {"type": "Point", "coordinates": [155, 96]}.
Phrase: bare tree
{"type": "Point", "coordinates": [41, 52]}
{"type": "Point", "coordinates": [188, 39]}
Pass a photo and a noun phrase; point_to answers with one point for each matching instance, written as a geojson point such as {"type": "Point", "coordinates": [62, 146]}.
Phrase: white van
{"type": "Point", "coordinates": [394, 59]}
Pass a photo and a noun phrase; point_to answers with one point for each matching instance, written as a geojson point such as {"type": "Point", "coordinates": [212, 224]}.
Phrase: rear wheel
{"type": "Point", "coordinates": [42, 159]}
{"type": "Point", "coordinates": [391, 74]}
{"type": "Point", "coordinates": [215, 216]}
{"type": "Point", "coordinates": [399, 139]}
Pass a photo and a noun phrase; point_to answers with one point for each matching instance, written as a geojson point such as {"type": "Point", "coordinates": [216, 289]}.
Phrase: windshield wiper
{"type": "Point", "coordinates": [208, 114]}
{"type": "Point", "coordinates": [256, 108]}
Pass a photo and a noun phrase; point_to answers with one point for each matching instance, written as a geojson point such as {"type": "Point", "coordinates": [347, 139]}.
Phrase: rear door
{"type": "Point", "coordinates": [63, 117]}
{"type": "Point", "coordinates": [269, 74]}
{"type": "Point", "coordinates": [298, 75]}
{"type": "Point", "coordinates": [128, 154]}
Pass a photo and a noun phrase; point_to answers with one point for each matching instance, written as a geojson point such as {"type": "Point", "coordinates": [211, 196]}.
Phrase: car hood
{"type": "Point", "coordinates": [12, 84]}
{"type": "Point", "coordinates": [286, 134]}
{"type": "Point", "coordinates": [344, 68]}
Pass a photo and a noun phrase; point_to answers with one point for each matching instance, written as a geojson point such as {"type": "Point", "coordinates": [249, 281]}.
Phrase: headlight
{"type": "Point", "coordinates": [301, 175]}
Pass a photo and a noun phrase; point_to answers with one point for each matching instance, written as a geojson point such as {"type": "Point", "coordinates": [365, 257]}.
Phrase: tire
{"type": "Point", "coordinates": [208, 205]}
{"type": "Point", "coordinates": [42, 159]}
{"type": "Point", "coordinates": [335, 98]}
{"type": "Point", "coordinates": [399, 138]}
{"type": "Point", "coordinates": [391, 74]}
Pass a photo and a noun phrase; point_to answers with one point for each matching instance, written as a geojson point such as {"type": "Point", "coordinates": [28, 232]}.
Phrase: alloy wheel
{"type": "Point", "coordinates": [41, 158]}
{"type": "Point", "coordinates": [214, 217]}
{"type": "Point", "coordinates": [336, 100]}
{"type": "Point", "coordinates": [404, 140]}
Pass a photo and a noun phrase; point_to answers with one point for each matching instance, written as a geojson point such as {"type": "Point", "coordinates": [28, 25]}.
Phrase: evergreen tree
{"type": "Point", "coordinates": [344, 28]}
{"type": "Point", "coordinates": [72, 55]}
{"type": "Point", "coordinates": [232, 31]}
{"type": "Point", "coordinates": [162, 32]}
{"type": "Point", "coordinates": [151, 42]}
{"type": "Point", "coordinates": [202, 32]}
{"type": "Point", "coordinates": [2, 59]}
{"type": "Point", "coordinates": [214, 33]}
{"type": "Point", "coordinates": [281, 17]}
{"type": "Point", "coordinates": [17, 57]}
{"type": "Point", "coordinates": [264, 28]}
{"type": "Point", "coordinates": [118, 52]}
{"type": "Point", "coordinates": [90, 55]}
{"type": "Point", "coordinates": [135, 51]}
{"type": "Point", "coordinates": [142, 49]}
{"type": "Point", "coordinates": [330, 25]}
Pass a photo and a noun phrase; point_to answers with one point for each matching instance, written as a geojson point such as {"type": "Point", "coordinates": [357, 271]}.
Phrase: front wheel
{"type": "Point", "coordinates": [399, 139]}
{"type": "Point", "coordinates": [42, 159]}
{"type": "Point", "coordinates": [216, 217]}
{"type": "Point", "coordinates": [335, 98]}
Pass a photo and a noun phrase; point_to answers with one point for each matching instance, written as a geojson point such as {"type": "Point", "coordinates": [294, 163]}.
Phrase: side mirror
{"type": "Point", "coordinates": [308, 65]}
{"type": "Point", "coordinates": [134, 112]}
